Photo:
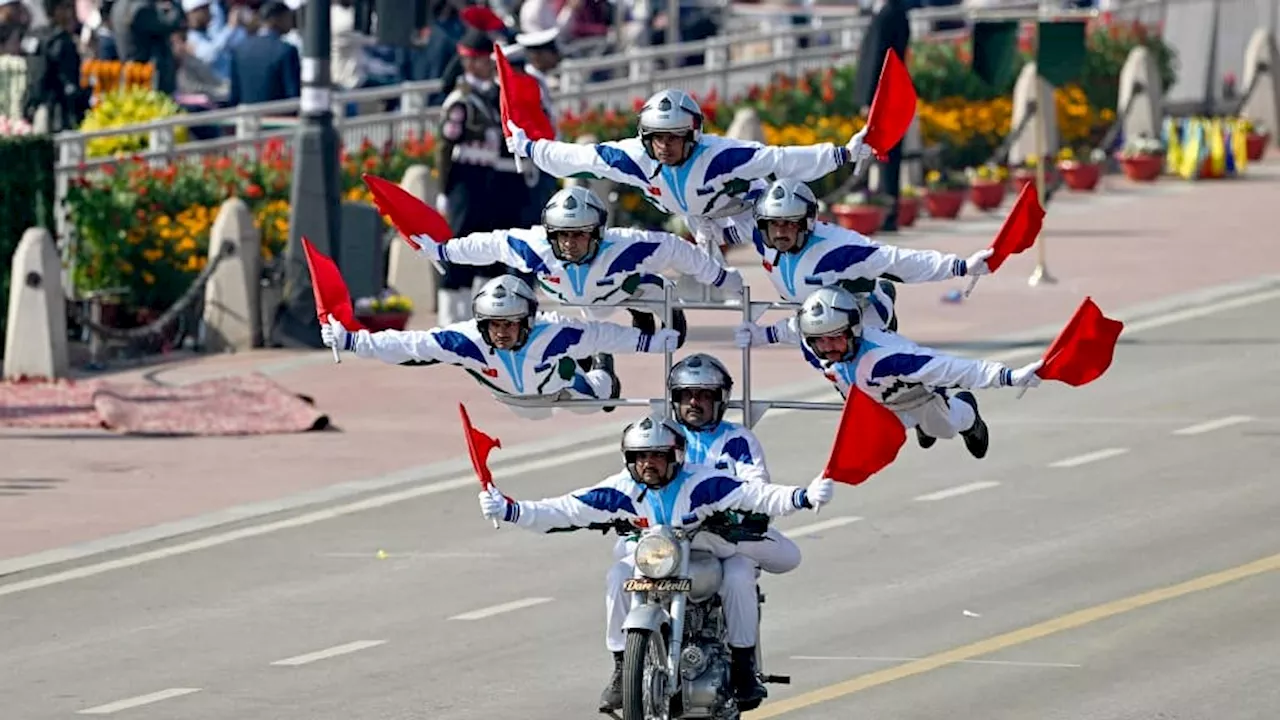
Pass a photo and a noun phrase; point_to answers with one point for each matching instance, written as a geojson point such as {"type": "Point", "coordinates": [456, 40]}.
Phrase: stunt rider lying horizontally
{"type": "Point", "coordinates": [511, 348]}
{"type": "Point", "coordinates": [658, 487]}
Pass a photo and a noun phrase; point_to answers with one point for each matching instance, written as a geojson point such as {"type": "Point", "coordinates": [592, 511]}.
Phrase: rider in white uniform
{"type": "Point", "coordinates": [908, 379]}
{"type": "Point", "coordinates": [801, 254]}
{"type": "Point", "coordinates": [710, 180]}
{"type": "Point", "coordinates": [658, 487]}
{"type": "Point", "coordinates": [511, 348]}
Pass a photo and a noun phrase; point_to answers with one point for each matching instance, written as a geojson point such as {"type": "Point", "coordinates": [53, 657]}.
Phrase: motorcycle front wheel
{"type": "Point", "coordinates": [644, 677]}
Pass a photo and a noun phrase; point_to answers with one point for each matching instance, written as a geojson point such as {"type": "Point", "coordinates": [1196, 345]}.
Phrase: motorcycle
{"type": "Point", "coordinates": [676, 661]}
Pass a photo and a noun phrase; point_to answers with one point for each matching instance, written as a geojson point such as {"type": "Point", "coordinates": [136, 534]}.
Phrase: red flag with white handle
{"type": "Point", "coordinates": [1018, 233]}
{"type": "Point", "coordinates": [1085, 348]}
{"type": "Point", "coordinates": [867, 440]}
{"type": "Point", "coordinates": [330, 290]}
{"type": "Point", "coordinates": [412, 217]}
{"type": "Point", "coordinates": [479, 445]}
{"type": "Point", "coordinates": [892, 107]}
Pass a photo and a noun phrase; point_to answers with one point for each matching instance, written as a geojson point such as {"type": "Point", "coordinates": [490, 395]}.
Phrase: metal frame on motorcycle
{"type": "Point", "coordinates": [752, 410]}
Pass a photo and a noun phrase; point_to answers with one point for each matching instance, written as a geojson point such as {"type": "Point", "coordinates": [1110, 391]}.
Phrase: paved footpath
{"type": "Point", "coordinates": [1127, 246]}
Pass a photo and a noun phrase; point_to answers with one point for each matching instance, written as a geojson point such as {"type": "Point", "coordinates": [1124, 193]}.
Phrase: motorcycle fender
{"type": "Point", "coordinates": [650, 616]}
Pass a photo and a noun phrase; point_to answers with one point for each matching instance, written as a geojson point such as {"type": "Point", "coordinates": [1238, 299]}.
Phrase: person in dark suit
{"type": "Point", "coordinates": [889, 30]}
{"type": "Point", "coordinates": [264, 67]}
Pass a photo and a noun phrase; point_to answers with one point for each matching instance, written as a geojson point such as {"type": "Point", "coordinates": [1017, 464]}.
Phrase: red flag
{"type": "Point", "coordinates": [867, 441]}
{"type": "Point", "coordinates": [1020, 227]}
{"type": "Point", "coordinates": [520, 98]}
{"type": "Point", "coordinates": [332, 296]}
{"type": "Point", "coordinates": [478, 445]}
{"type": "Point", "coordinates": [1083, 351]}
{"type": "Point", "coordinates": [412, 217]}
{"type": "Point", "coordinates": [892, 107]}
{"type": "Point", "coordinates": [482, 19]}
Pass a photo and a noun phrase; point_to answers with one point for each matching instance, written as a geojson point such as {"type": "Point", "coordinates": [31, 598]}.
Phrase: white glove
{"type": "Point", "coordinates": [732, 281]}
{"type": "Point", "coordinates": [1026, 376]}
{"type": "Point", "coordinates": [977, 263]}
{"type": "Point", "coordinates": [493, 505]}
{"type": "Point", "coordinates": [748, 334]}
{"type": "Point", "coordinates": [858, 149]}
{"type": "Point", "coordinates": [664, 340]}
{"type": "Point", "coordinates": [820, 491]}
{"type": "Point", "coordinates": [518, 143]}
{"type": "Point", "coordinates": [333, 334]}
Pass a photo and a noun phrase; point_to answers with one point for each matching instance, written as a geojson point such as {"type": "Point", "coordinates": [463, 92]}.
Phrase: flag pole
{"type": "Point", "coordinates": [1043, 107]}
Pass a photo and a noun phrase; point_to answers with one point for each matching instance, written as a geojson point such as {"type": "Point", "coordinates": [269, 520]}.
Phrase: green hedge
{"type": "Point", "coordinates": [26, 200]}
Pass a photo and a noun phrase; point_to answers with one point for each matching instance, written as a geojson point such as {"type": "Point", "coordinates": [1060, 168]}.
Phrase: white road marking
{"type": "Point", "coordinates": [503, 608]}
{"type": "Point", "coordinates": [417, 555]}
{"type": "Point", "coordinates": [1013, 663]}
{"type": "Point", "coordinates": [371, 503]}
{"type": "Point", "coordinates": [1211, 425]}
{"type": "Point", "coordinates": [957, 490]}
{"type": "Point", "coordinates": [138, 701]}
{"type": "Point", "coordinates": [1087, 458]}
{"type": "Point", "coordinates": [327, 653]}
{"type": "Point", "coordinates": [467, 480]}
{"type": "Point", "coordinates": [818, 527]}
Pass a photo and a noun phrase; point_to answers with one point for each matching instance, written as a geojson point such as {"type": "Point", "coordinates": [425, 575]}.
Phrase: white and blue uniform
{"type": "Point", "coordinates": [912, 380]}
{"type": "Point", "coordinates": [714, 189]}
{"type": "Point", "coordinates": [832, 254]}
{"type": "Point", "coordinates": [545, 365]}
{"type": "Point", "coordinates": [696, 490]}
{"type": "Point", "coordinates": [627, 264]}
{"type": "Point", "coordinates": [730, 447]}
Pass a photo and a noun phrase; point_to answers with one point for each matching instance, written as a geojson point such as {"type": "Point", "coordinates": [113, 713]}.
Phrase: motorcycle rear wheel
{"type": "Point", "coordinates": [644, 678]}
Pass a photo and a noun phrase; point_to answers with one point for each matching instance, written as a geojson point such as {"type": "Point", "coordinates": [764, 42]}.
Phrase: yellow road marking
{"type": "Point", "coordinates": [1010, 639]}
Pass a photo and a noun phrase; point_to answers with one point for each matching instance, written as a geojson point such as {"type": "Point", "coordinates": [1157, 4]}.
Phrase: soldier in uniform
{"type": "Point", "coordinates": [480, 188]}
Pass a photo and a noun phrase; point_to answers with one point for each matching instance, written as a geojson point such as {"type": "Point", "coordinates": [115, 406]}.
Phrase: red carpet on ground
{"type": "Point", "coordinates": [241, 405]}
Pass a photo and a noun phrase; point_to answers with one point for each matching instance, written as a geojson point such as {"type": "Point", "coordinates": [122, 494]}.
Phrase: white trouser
{"type": "Point", "coordinates": [711, 233]}
{"type": "Point", "coordinates": [454, 307]}
{"type": "Point", "coordinates": [876, 307]}
{"type": "Point", "coordinates": [737, 593]}
{"type": "Point", "coordinates": [776, 554]}
{"type": "Point", "coordinates": [599, 382]}
{"type": "Point", "coordinates": [940, 417]}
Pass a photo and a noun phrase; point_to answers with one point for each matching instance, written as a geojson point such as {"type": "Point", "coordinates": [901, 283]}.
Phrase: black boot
{"type": "Point", "coordinates": [611, 698]}
{"type": "Point", "coordinates": [747, 688]}
{"type": "Point", "coordinates": [976, 438]}
{"type": "Point", "coordinates": [926, 441]}
{"type": "Point", "coordinates": [604, 361]}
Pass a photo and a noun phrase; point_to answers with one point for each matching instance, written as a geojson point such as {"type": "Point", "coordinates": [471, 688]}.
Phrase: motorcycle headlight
{"type": "Point", "coordinates": [657, 556]}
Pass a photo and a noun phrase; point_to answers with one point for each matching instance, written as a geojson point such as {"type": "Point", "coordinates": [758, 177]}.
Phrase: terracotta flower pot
{"type": "Point", "coordinates": [908, 211]}
{"type": "Point", "coordinates": [1256, 145]}
{"type": "Point", "coordinates": [865, 219]}
{"type": "Point", "coordinates": [384, 320]}
{"type": "Point", "coordinates": [1081, 177]}
{"type": "Point", "coordinates": [944, 204]}
{"type": "Point", "coordinates": [1022, 178]}
{"type": "Point", "coordinates": [986, 194]}
{"type": "Point", "coordinates": [1142, 168]}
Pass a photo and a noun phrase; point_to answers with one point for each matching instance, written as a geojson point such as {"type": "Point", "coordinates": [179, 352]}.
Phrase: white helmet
{"type": "Point", "coordinates": [506, 297]}
{"type": "Point", "coordinates": [578, 209]}
{"type": "Point", "coordinates": [787, 199]}
{"type": "Point", "coordinates": [653, 434]}
{"type": "Point", "coordinates": [828, 311]}
{"type": "Point", "coordinates": [700, 371]}
{"type": "Point", "coordinates": [671, 111]}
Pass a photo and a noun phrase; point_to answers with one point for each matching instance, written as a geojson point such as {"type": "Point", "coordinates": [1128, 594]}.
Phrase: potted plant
{"type": "Point", "coordinates": [944, 193]}
{"type": "Point", "coordinates": [861, 212]}
{"type": "Point", "coordinates": [1142, 158]}
{"type": "Point", "coordinates": [908, 205]}
{"type": "Point", "coordinates": [387, 311]}
{"type": "Point", "coordinates": [1025, 174]}
{"type": "Point", "coordinates": [1256, 138]}
{"type": "Point", "coordinates": [1081, 170]}
{"type": "Point", "coordinates": [986, 186]}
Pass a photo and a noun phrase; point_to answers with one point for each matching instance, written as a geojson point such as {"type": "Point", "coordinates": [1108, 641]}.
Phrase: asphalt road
{"type": "Point", "coordinates": [945, 598]}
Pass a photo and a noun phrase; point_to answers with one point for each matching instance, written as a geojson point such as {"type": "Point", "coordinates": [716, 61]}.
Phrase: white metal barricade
{"type": "Point", "coordinates": [752, 410]}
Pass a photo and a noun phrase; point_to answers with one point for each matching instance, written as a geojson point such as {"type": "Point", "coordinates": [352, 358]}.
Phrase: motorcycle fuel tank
{"type": "Point", "coordinates": [706, 572]}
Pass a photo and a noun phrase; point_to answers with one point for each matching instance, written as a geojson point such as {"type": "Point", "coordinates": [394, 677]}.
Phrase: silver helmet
{"type": "Point", "coordinates": [576, 209]}
{"type": "Point", "coordinates": [830, 311]}
{"type": "Point", "coordinates": [653, 434]}
{"type": "Point", "coordinates": [671, 111]}
{"type": "Point", "coordinates": [787, 199]}
{"type": "Point", "coordinates": [506, 297]}
{"type": "Point", "coordinates": [700, 371]}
